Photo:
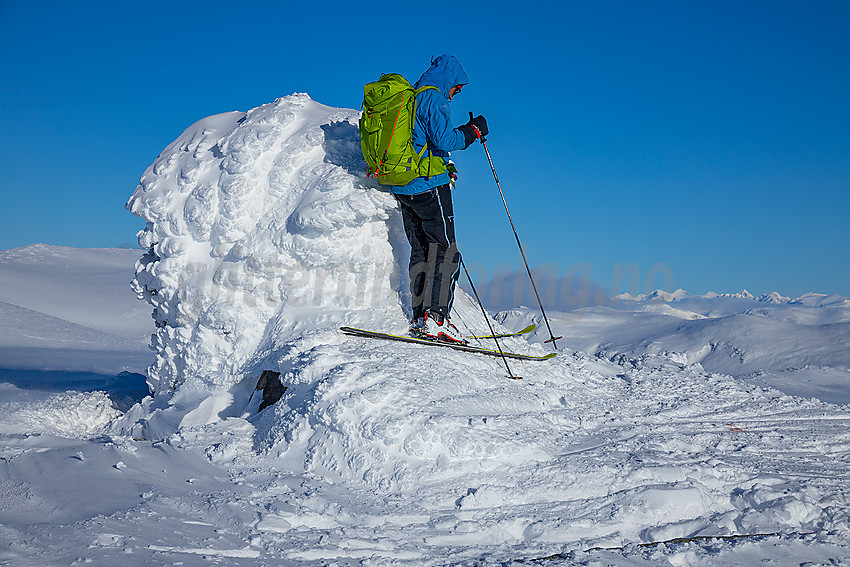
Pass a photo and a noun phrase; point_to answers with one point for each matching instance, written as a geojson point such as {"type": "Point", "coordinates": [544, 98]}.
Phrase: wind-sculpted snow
{"type": "Point", "coordinates": [67, 414]}
{"type": "Point", "coordinates": [257, 226]}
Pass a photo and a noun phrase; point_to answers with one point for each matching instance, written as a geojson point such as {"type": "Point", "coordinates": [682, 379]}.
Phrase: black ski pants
{"type": "Point", "coordinates": [434, 257]}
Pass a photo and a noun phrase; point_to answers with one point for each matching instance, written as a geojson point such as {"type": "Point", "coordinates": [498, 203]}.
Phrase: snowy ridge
{"type": "Point", "coordinates": [70, 309]}
{"type": "Point", "coordinates": [86, 287]}
{"type": "Point", "coordinates": [659, 295]}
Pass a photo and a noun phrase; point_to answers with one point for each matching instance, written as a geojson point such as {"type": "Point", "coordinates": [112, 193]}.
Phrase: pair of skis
{"type": "Point", "coordinates": [456, 346]}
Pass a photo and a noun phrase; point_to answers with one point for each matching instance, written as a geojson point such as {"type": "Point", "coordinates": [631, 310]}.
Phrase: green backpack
{"type": "Point", "coordinates": [386, 133]}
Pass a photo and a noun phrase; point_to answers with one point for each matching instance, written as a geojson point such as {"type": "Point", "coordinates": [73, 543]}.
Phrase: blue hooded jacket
{"type": "Point", "coordinates": [434, 119]}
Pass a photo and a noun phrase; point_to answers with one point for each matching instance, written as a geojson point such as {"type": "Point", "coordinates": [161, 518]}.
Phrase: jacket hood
{"type": "Point", "coordinates": [444, 73]}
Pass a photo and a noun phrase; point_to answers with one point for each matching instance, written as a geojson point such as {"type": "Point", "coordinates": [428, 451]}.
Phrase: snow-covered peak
{"type": "Point", "coordinates": [658, 295]}
{"type": "Point", "coordinates": [743, 294]}
{"type": "Point", "coordinates": [773, 297]}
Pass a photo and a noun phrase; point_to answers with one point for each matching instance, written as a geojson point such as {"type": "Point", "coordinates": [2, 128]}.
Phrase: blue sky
{"type": "Point", "coordinates": [710, 139]}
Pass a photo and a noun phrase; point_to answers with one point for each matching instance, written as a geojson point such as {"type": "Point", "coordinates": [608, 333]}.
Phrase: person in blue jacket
{"type": "Point", "coordinates": [426, 202]}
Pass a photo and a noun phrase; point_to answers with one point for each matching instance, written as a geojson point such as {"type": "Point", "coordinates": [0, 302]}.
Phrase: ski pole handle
{"type": "Point", "coordinates": [475, 128]}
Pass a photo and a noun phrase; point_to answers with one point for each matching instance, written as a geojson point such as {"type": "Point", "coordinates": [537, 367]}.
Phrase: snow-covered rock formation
{"type": "Point", "coordinates": [261, 227]}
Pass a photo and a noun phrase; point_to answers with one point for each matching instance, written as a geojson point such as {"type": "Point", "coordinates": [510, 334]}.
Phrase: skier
{"type": "Point", "coordinates": [426, 202]}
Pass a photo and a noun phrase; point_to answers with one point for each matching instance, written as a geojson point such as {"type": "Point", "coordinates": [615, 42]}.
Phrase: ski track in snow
{"type": "Point", "coordinates": [263, 241]}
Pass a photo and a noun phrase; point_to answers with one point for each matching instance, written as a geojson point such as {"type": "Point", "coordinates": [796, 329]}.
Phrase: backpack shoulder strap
{"type": "Point", "coordinates": [415, 102]}
{"type": "Point", "coordinates": [425, 88]}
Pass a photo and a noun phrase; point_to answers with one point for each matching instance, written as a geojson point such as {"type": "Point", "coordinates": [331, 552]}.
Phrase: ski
{"type": "Point", "coordinates": [430, 342]}
{"type": "Point", "coordinates": [503, 335]}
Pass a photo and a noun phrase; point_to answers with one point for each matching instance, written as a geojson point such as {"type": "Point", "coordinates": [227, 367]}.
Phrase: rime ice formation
{"type": "Point", "coordinates": [259, 222]}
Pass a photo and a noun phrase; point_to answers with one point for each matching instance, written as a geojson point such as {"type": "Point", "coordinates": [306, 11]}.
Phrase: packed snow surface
{"type": "Point", "coordinates": [67, 309]}
{"type": "Point", "coordinates": [263, 238]}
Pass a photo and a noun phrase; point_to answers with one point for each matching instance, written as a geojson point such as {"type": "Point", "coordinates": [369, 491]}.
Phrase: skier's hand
{"type": "Point", "coordinates": [480, 123]}
{"type": "Point", "coordinates": [474, 129]}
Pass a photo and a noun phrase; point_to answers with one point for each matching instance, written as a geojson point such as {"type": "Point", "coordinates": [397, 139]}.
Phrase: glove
{"type": "Point", "coordinates": [481, 123]}
{"type": "Point", "coordinates": [468, 129]}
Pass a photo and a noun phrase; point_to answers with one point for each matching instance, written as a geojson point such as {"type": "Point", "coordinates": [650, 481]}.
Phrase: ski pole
{"type": "Point", "coordinates": [552, 337]}
{"type": "Point", "coordinates": [489, 325]}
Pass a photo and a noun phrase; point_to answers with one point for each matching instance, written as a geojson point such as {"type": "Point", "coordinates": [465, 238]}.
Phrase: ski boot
{"type": "Point", "coordinates": [440, 328]}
